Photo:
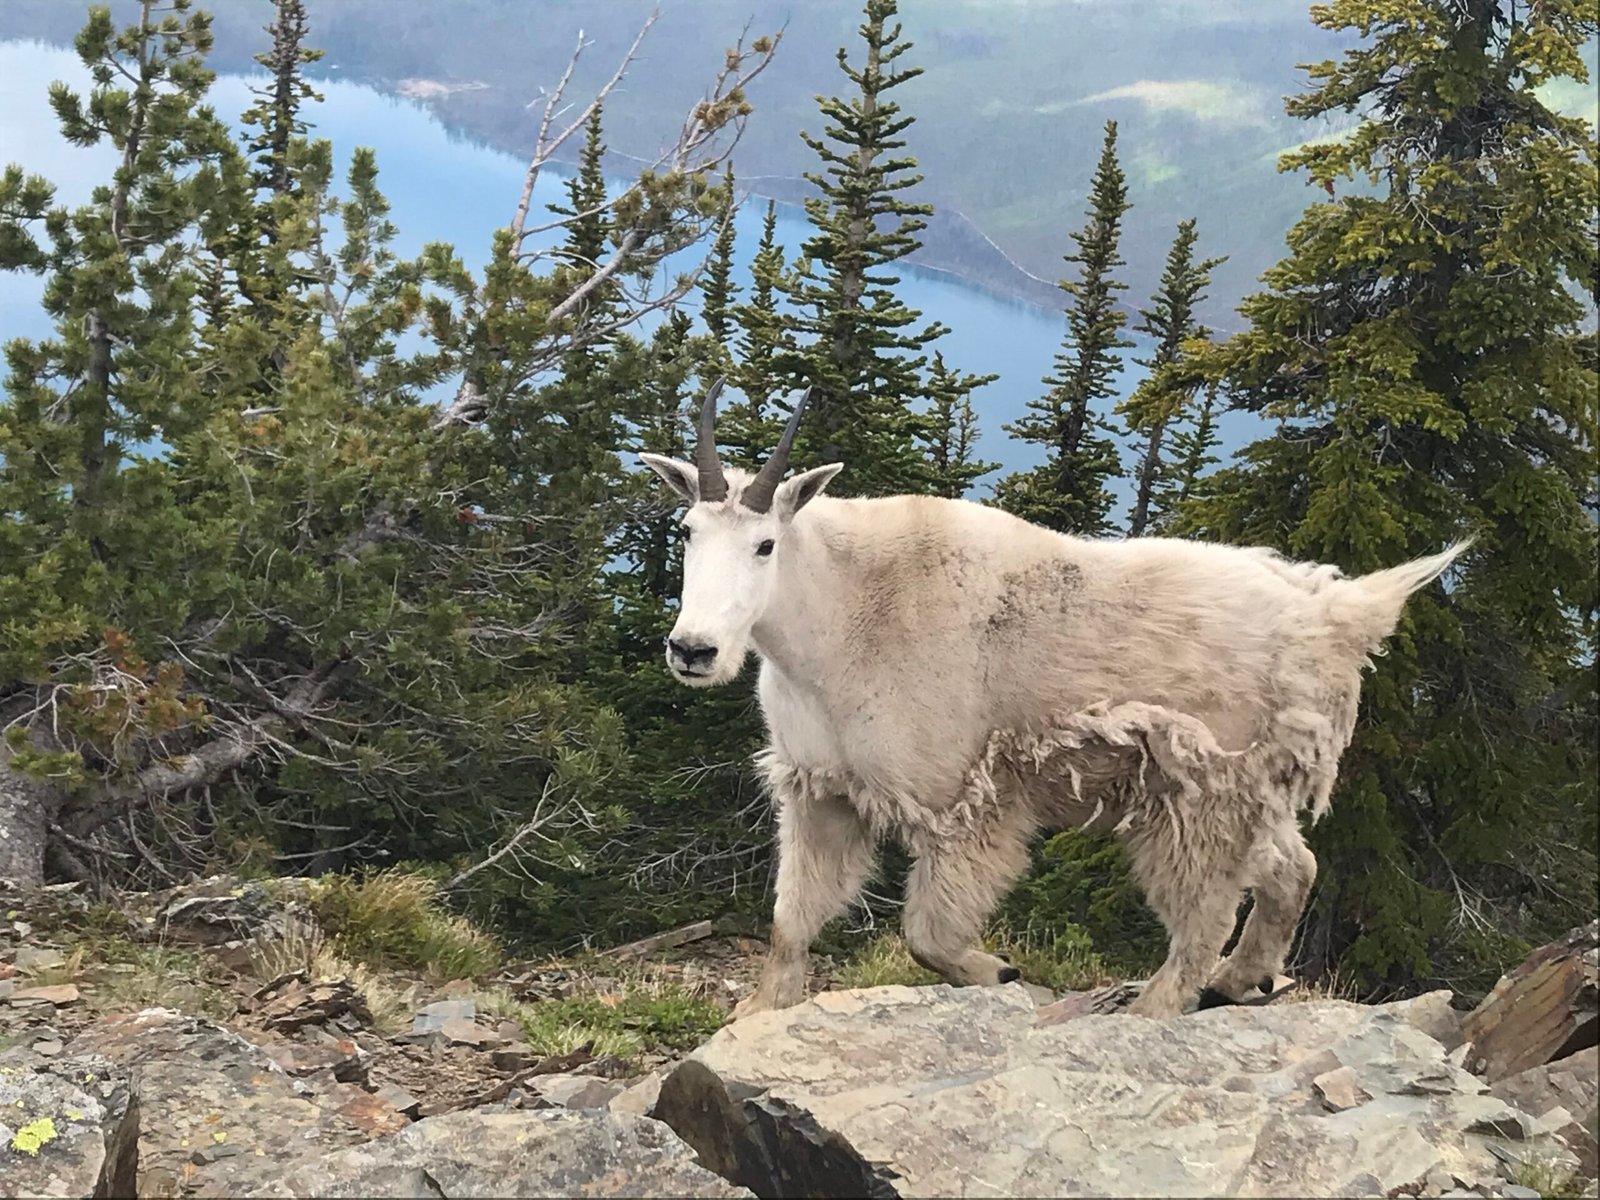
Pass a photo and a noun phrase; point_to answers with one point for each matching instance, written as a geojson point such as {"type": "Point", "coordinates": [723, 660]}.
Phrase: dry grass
{"type": "Point", "coordinates": [305, 948]}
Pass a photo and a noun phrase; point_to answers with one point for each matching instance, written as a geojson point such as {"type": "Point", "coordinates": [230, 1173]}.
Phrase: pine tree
{"type": "Point", "coordinates": [91, 541]}
{"type": "Point", "coordinates": [952, 460]}
{"type": "Point", "coordinates": [748, 431]}
{"type": "Point", "coordinates": [1068, 492]}
{"type": "Point", "coordinates": [1192, 447]}
{"type": "Point", "coordinates": [718, 292]}
{"type": "Point", "coordinates": [858, 344]}
{"type": "Point", "coordinates": [1421, 352]}
{"type": "Point", "coordinates": [1161, 399]}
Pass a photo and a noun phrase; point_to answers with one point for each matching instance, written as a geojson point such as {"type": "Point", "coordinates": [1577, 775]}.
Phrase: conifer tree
{"type": "Point", "coordinates": [1068, 491]}
{"type": "Point", "coordinates": [1160, 400]}
{"type": "Point", "coordinates": [1192, 446]}
{"type": "Point", "coordinates": [1420, 350]}
{"type": "Point", "coordinates": [718, 292]}
{"type": "Point", "coordinates": [750, 429]}
{"type": "Point", "coordinates": [858, 345]}
{"type": "Point", "coordinates": [952, 458]}
{"type": "Point", "coordinates": [90, 540]}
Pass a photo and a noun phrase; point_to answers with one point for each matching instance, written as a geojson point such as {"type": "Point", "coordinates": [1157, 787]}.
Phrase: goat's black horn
{"type": "Point", "coordinates": [758, 495]}
{"type": "Point", "coordinates": [713, 484]}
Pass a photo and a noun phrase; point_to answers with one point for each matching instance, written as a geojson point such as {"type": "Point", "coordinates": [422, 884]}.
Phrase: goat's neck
{"type": "Point", "coordinates": [797, 632]}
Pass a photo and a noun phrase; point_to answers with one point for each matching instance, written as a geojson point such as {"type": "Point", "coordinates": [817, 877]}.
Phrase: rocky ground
{"type": "Point", "coordinates": [217, 1054]}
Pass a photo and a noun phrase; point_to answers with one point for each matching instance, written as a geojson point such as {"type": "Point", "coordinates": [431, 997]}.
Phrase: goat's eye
{"type": "Point", "coordinates": [764, 549]}
{"type": "Point", "coordinates": [687, 532]}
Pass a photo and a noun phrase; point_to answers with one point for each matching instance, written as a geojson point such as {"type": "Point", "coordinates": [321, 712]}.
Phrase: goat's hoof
{"type": "Point", "coordinates": [1211, 998]}
{"type": "Point", "coordinates": [1009, 974]}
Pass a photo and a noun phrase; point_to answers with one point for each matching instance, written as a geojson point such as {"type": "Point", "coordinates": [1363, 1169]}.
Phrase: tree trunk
{"type": "Point", "coordinates": [27, 807]}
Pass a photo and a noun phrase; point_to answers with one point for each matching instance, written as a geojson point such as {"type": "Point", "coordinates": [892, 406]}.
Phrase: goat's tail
{"type": "Point", "coordinates": [1369, 606]}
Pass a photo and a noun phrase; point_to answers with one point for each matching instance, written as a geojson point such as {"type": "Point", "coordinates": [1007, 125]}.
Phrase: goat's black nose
{"type": "Point", "coordinates": [692, 656]}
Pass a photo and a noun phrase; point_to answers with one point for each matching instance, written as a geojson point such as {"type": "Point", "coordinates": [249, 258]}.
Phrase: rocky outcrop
{"type": "Point", "coordinates": [1546, 1008]}
{"type": "Point", "coordinates": [942, 1091]}
{"type": "Point", "coordinates": [1565, 1097]}
{"type": "Point", "coordinates": [68, 1127]}
{"type": "Point", "coordinates": [219, 1114]}
{"type": "Point", "coordinates": [552, 1152]}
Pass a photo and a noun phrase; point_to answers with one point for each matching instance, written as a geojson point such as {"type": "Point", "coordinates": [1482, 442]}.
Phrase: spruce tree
{"type": "Point", "coordinates": [952, 459]}
{"type": "Point", "coordinates": [859, 347]}
{"type": "Point", "coordinates": [1421, 351]}
{"type": "Point", "coordinates": [1068, 491]}
{"type": "Point", "coordinates": [1162, 398]}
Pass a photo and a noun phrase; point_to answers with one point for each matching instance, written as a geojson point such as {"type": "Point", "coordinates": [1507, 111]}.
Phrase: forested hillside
{"type": "Point", "coordinates": [267, 608]}
{"type": "Point", "coordinates": [1010, 107]}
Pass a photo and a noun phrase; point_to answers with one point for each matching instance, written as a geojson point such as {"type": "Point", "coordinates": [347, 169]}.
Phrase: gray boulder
{"type": "Point", "coordinates": [943, 1091]}
{"type": "Point", "coordinates": [551, 1152]}
{"type": "Point", "coordinates": [68, 1127]}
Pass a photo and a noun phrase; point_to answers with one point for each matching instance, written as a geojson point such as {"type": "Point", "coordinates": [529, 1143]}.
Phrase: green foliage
{"type": "Point", "coordinates": [1068, 491]}
{"type": "Point", "coordinates": [884, 962]}
{"type": "Point", "coordinates": [953, 464]}
{"type": "Point", "coordinates": [853, 340]}
{"type": "Point", "coordinates": [1081, 887]}
{"type": "Point", "coordinates": [396, 918]}
{"type": "Point", "coordinates": [1422, 353]}
{"type": "Point", "coordinates": [1161, 402]}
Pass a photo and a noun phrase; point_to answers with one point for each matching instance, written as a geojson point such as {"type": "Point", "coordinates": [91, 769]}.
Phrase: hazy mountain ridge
{"type": "Point", "coordinates": [1010, 107]}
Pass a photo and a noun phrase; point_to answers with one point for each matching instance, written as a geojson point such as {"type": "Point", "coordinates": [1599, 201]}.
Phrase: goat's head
{"type": "Point", "coordinates": [735, 529]}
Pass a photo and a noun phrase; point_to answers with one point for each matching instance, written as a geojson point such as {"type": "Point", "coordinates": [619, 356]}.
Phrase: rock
{"type": "Point", "coordinates": [201, 1085]}
{"type": "Point", "coordinates": [1338, 1089]}
{"type": "Point", "coordinates": [290, 1002]}
{"type": "Point", "coordinates": [222, 909]}
{"type": "Point", "coordinates": [1570, 1089]}
{"type": "Point", "coordinates": [48, 1047]}
{"type": "Point", "coordinates": [68, 1127]}
{"type": "Point", "coordinates": [1437, 1182]}
{"type": "Point", "coordinates": [460, 1031]}
{"type": "Point", "coordinates": [551, 1152]}
{"type": "Point", "coordinates": [60, 993]}
{"type": "Point", "coordinates": [397, 1098]}
{"type": "Point", "coordinates": [576, 1091]}
{"type": "Point", "coordinates": [1516, 1191]}
{"type": "Point", "coordinates": [341, 1057]}
{"type": "Point", "coordinates": [30, 960]}
{"type": "Point", "coordinates": [942, 1091]}
{"type": "Point", "coordinates": [1546, 1008]}
{"type": "Point", "coordinates": [638, 1099]}
{"type": "Point", "coordinates": [432, 1018]}
{"type": "Point", "coordinates": [513, 1057]}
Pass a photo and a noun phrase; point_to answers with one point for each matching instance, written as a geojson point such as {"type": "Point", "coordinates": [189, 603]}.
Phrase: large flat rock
{"type": "Point", "coordinates": [942, 1091]}
{"type": "Point", "coordinates": [549, 1152]}
{"type": "Point", "coordinates": [68, 1127]}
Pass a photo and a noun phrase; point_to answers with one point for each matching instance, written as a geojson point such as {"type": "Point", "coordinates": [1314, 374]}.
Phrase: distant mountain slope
{"type": "Point", "coordinates": [1009, 111]}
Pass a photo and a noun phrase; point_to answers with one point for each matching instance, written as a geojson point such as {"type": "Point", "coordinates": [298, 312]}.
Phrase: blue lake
{"type": "Point", "coordinates": [443, 187]}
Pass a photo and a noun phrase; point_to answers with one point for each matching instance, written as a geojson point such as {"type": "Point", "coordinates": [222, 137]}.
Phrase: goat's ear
{"type": "Point", "coordinates": [681, 477]}
{"type": "Point", "coordinates": [794, 494]}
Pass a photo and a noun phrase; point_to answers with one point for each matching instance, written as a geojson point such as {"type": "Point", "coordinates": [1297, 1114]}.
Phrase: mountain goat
{"type": "Point", "coordinates": [947, 673]}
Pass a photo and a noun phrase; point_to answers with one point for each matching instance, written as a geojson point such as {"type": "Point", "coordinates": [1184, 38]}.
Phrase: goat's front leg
{"type": "Point", "coordinates": [952, 890]}
{"type": "Point", "coordinates": [824, 854]}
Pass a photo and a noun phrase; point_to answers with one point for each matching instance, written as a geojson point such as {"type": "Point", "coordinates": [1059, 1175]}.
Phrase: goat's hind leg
{"type": "Point", "coordinates": [953, 888]}
{"type": "Point", "coordinates": [1280, 872]}
{"type": "Point", "coordinates": [825, 852]}
{"type": "Point", "coordinates": [1195, 889]}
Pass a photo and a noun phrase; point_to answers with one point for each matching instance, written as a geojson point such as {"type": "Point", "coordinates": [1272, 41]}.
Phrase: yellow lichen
{"type": "Point", "coordinates": [33, 1135]}
{"type": "Point", "coordinates": [73, 1114]}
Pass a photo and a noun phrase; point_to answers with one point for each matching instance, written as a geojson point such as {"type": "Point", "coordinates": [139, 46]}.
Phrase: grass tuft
{"type": "Point", "coordinates": [396, 919]}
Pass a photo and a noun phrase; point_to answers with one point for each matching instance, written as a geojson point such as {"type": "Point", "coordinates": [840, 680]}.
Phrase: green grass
{"type": "Point", "coordinates": [1548, 1178]}
{"type": "Point", "coordinates": [643, 1016]}
{"type": "Point", "coordinates": [395, 919]}
{"type": "Point", "coordinates": [1062, 962]}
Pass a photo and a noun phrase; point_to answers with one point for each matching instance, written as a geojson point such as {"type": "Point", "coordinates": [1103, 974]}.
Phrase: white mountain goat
{"type": "Point", "coordinates": [950, 674]}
